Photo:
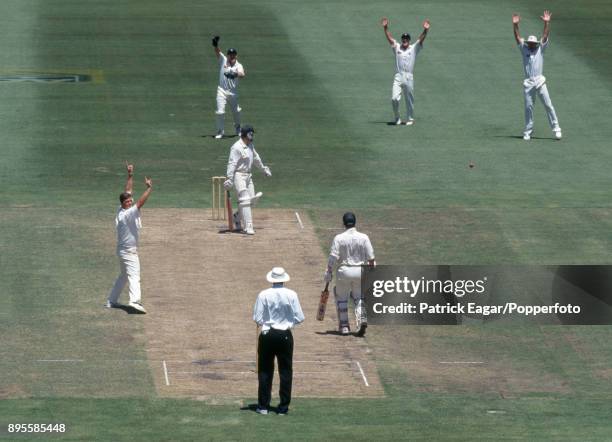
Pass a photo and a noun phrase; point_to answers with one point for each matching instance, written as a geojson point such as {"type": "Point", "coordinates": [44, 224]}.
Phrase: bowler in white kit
{"type": "Point", "coordinates": [403, 80]}
{"type": "Point", "coordinates": [534, 83]}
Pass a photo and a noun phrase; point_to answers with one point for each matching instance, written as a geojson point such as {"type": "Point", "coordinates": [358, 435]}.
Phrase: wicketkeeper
{"type": "Point", "coordinates": [241, 159]}
{"type": "Point", "coordinates": [350, 250]}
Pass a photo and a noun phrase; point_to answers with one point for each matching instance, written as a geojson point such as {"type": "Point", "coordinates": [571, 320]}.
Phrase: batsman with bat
{"type": "Point", "coordinates": [241, 159]}
{"type": "Point", "coordinates": [350, 250]}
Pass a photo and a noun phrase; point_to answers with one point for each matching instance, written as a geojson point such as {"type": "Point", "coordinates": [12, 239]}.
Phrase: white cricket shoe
{"type": "Point", "coordinates": [410, 122]}
{"type": "Point", "coordinates": [558, 134]}
{"type": "Point", "coordinates": [219, 135]}
{"type": "Point", "coordinates": [110, 304]}
{"type": "Point", "coordinates": [398, 122]}
{"type": "Point", "coordinates": [137, 306]}
{"type": "Point", "coordinates": [344, 330]}
{"type": "Point", "coordinates": [526, 137]}
{"type": "Point", "coordinates": [249, 229]}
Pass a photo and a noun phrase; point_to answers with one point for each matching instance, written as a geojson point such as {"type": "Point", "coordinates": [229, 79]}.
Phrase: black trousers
{"type": "Point", "coordinates": [275, 344]}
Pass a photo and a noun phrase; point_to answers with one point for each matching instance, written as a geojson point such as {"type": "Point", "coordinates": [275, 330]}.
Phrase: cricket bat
{"type": "Point", "coordinates": [230, 213]}
{"type": "Point", "coordinates": [323, 302]}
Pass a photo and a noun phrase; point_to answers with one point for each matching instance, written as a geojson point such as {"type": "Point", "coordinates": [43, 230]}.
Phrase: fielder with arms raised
{"type": "Point", "coordinates": [532, 51]}
{"type": "Point", "coordinates": [230, 70]}
{"type": "Point", "coordinates": [128, 224]}
{"type": "Point", "coordinates": [350, 250]}
{"type": "Point", "coordinates": [241, 159]}
{"type": "Point", "coordinates": [405, 57]}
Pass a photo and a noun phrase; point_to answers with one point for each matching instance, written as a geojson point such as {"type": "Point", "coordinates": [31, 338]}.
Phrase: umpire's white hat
{"type": "Point", "coordinates": [277, 274]}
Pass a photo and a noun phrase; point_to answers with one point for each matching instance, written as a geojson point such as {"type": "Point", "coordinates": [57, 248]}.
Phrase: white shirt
{"type": "Point", "coordinates": [241, 158]}
{"type": "Point", "coordinates": [352, 248]}
{"type": "Point", "coordinates": [229, 84]}
{"type": "Point", "coordinates": [405, 59]}
{"type": "Point", "coordinates": [278, 308]}
{"type": "Point", "coordinates": [533, 61]}
{"type": "Point", "coordinates": [128, 224]}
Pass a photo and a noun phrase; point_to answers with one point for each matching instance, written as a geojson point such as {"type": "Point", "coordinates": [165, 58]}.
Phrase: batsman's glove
{"type": "Point", "coordinates": [327, 277]}
{"type": "Point", "coordinates": [215, 41]}
{"type": "Point", "coordinates": [267, 171]}
{"type": "Point", "coordinates": [228, 184]}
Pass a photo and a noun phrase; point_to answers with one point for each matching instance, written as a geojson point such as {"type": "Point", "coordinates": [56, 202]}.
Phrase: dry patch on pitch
{"type": "Point", "coordinates": [199, 286]}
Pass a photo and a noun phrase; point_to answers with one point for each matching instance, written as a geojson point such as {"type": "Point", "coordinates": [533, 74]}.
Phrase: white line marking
{"type": "Point", "coordinates": [365, 380]}
{"type": "Point", "coordinates": [60, 360]}
{"type": "Point", "coordinates": [297, 215]}
{"type": "Point", "coordinates": [339, 229]}
{"type": "Point", "coordinates": [166, 373]}
{"type": "Point", "coordinates": [461, 362]}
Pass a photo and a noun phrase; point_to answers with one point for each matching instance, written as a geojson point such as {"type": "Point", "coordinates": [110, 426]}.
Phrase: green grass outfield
{"type": "Point", "coordinates": [317, 91]}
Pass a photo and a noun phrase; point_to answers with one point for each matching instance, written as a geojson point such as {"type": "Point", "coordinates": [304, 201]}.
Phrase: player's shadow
{"type": "Point", "coordinates": [129, 310]}
{"type": "Point", "coordinates": [253, 408]}
{"type": "Point", "coordinates": [330, 332]}
{"type": "Point", "coordinates": [388, 123]}
{"type": "Point", "coordinates": [520, 137]}
{"type": "Point", "coordinates": [224, 136]}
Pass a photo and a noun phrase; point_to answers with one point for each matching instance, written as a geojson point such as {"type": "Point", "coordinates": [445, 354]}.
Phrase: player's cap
{"type": "Point", "coordinates": [277, 274]}
{"type": "Point", "coordinates": [349, 219]}
{"type": "Point", "coordinates": [405, 36]}
{"type": "Point", "coordinates": [246, 129]}
{"type": "Point", "coordinates": [532, 39]}
{"type": "Point", "coordinates": [232, 51]}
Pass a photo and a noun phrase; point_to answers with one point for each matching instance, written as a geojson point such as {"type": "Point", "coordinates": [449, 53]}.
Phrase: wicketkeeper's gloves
{"type": "Point", "coordinates": [215, 41]}
{"type": "Point", "coordinates": [230, 74]}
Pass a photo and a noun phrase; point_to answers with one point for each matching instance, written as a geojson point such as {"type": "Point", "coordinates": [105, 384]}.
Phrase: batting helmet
{"type": "Point", "coordinates": [245, 130]}
{"type": "Point", "coordinates": [232, 51]}
{"type": "Point", "coordinates": [405, 36]}
{"type": "Point", "coordinates": [349, 219]}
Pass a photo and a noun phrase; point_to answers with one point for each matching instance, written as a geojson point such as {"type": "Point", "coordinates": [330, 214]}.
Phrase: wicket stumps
{"type": "Point", "coordinates": [219, 199]}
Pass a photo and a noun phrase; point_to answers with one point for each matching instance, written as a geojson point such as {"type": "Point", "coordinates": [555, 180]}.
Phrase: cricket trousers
{"type": "Point", "coordinates": [275, 344]}
{"type": "Point", "coordinates": [530, 94]}
{"type": "Point", "coordinates": [130, 275]}
{"type": "Point", "coordinates": [348, 284]}
{"type": "Point", "coordinates": [243, 183]}
{"type": "Point", "coordinates": [223, 97]}
{"type": "Point", "coordinates": [403, 83]}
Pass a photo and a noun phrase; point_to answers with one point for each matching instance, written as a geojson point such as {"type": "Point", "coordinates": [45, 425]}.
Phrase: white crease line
{"type": "Point", "coordinates": [325, 373]}
{"type": "Point", "coordinates": [297, 215]}
{"type": "Point", "coordinates": [166, 373]}
{"type": "Point", "coordinates": [365, 380]}
{"type": "Point", "coordinates": [370, 228]}
{"type": "Point", "coordinates": [461, 362]}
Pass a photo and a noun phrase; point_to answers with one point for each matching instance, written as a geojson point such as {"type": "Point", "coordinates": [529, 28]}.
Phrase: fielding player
{"type": "Point", "coordinates": [241, 159]}
{"type": "Point", "coordinates": [128, 223]}
{"type": "Point", "coordinates": [405, 57]}
{"type": "Point", "coordinates": [277, 310]}
{"type": "Point", "coordinates": [532, 51]}
{"type": "Point", "coordinates": [350, 250]}
{"type": "Point", "coordinates": [230, 70]}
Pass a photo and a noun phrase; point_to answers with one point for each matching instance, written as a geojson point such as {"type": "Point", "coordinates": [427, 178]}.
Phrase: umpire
{"type": "Point", "coordinates": [276, 311]}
